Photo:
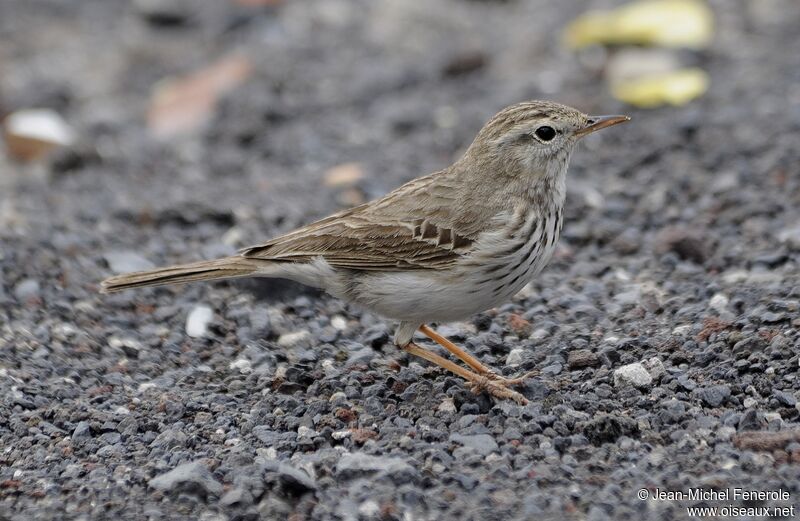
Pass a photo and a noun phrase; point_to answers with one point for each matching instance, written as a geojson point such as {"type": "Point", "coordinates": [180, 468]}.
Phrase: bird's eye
{"type": "Point", "coordinates": [545, 133]}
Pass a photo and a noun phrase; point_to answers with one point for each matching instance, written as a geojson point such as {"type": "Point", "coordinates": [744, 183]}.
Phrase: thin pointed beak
{"type": "Point", "coordinates": [598, 122]}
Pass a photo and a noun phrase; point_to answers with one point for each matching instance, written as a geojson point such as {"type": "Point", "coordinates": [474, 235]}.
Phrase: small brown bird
{"type": "Point", "coordinates": [439, 248]}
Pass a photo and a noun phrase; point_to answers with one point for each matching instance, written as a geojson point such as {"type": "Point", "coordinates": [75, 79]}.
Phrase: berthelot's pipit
{"type": "Point", "coordinates": [439, 248]}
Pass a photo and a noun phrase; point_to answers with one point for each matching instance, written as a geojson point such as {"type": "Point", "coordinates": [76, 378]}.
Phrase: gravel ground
{"type": "Point", "coordinates": [665, 329]}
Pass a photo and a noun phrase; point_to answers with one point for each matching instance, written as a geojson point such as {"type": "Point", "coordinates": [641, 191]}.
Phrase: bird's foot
{"type": "Point", "coordinates": [497, 388]}
{"type": "Point", "coordinates": [505, 382]}
{"type": "Point", "coordinates": [483, 378]}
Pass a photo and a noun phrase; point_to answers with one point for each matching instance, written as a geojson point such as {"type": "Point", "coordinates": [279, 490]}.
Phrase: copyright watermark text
{"type": "Point", "coordinates": [726, 499]}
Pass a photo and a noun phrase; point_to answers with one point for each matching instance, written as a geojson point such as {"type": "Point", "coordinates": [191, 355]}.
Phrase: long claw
{"type": "Point", "coordinates": [519, 380]}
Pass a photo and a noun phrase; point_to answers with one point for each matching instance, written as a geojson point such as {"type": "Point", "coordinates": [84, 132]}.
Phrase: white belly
{"type": "Point", "coordinates": [491, 276]}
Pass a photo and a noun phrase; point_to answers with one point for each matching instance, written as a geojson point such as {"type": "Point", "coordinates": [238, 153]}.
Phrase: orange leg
{"type": "Point", "coordinates": [479, 382]}
{"type": "Point", "coordinates": [470, 360]}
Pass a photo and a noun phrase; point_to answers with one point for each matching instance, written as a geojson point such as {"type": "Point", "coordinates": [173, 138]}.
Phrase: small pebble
{"type": "Point", "coordinates": [26, 290]}
{"type": "Point", "coordinates": [515, 357]}
{"type": "Point", "coordinates": [718, 303]}
{"type": "Point", "coordinates": [295, 340]}
{"type": "Point", "coordinates": [632, 374]}
{"type": "Point", "coordinates": [655, 367]}
{"type": "Point", "coordinates": [242, 365]}
{"type": "Point", "coordinates": [447, 406]}
{"type": "Point", "coordinates": [32, 133]}
{"type": "Point", "coordinates": [197, 321]}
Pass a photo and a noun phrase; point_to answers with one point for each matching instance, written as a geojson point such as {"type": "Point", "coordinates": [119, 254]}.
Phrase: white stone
{"type": "Point", "coordinates": [632, 374]}
{"type": "Point", "coordinates": [147, 385]}
{"type": "Point", "coordinates": [682, 330]}
{"type": "Point", "coordinates": [329, 366]}
{"type": "Point", "coordinates": [514, 358]}
{"type": "Point", "coordinates": [491, 458]}
{"type": "Point", "coordinates": [268, 453]}
{"type": "Point", "coordinates": [719, 303]}
{"type": "Point", "coordinates": [280, 371]}
{"type": "Point", "coordinates": [243, 365]}
{"type": "Point", "coordinates": [295, 339]}
{"type": "Point", "coordinates": [233, 237]}
{"type": "Point", "coordinates": [27, 289]}
{"type": "Point", "coordinates": [655, 367]}
{"type": "Point", "coordinates": [339, 322]}
{"type": "Point", "coordinates": [447, 406]}
{"type": "Point", "coordinates": [725, 433]}
{"type": "Point", "coordinates": [198, 320]}
{"type": "Point", "coordinates": [306, 432]}
{"type": "Point", "coordinates": [539, 334]}
{"type": "Point", "coordinates": [338, 395]}
{"type": "Point", "coordinates": [40, 124]}
{"type": "Point", "coordinates": [725, 181]}
{"type": "Point", "coordinates": [735, 276]}
{"type": "Point", "coordinates": [593, 198]}
{"type": "Point", "coordinates": [622, 275]}
{"type": "Point", "coordinates": [369, 508]}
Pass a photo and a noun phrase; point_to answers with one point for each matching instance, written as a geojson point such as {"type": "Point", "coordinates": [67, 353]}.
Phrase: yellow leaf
{"type": "Point", "coordinates": [671, 88]}
{"type": "Point", "coordinates": [667, 23]}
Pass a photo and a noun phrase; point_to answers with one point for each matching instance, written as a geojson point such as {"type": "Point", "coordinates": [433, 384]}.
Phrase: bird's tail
{"type": "Point", "coordinates": [224, 268]}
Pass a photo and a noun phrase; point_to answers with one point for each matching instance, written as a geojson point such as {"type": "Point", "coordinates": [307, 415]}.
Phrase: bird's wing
{"type": "Point", "coordinates": [413, 227]}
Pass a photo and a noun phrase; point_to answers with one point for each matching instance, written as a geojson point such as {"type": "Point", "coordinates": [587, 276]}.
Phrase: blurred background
{"type": "Point", "coordinates": [245, 118]}
{"type": "Point", "coordinates": [147, 132]}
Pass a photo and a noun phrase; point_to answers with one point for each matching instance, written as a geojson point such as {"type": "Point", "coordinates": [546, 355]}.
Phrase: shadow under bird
{"type": "Point", "coordinates": [440, 247]}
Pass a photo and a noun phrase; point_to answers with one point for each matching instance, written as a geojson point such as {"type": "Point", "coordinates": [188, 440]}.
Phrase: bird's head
{"type": "Point", "coordinates": [537, 136]}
